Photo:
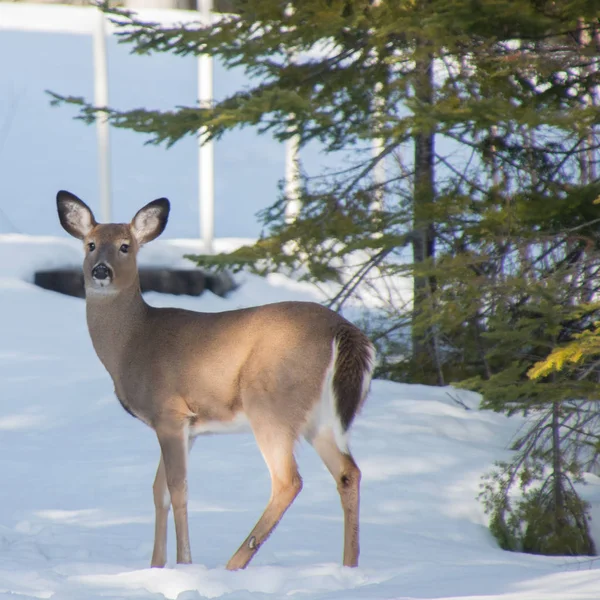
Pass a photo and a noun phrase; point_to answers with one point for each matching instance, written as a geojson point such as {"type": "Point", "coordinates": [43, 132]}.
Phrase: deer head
{"type": "Point", "coordinates": [110, 263]}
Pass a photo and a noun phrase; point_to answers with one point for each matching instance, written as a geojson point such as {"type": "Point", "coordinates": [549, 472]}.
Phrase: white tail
{"type": "Point", "coordinates": [289, 370]}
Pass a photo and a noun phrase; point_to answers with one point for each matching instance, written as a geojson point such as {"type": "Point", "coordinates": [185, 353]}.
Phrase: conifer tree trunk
{"type": "Point", "coordinates": [424, 346]}
{"type": "Point", "coordinates": [557, 463]}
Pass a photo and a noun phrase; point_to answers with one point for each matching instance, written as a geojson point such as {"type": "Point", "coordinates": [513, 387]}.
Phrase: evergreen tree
{"type": "Point", "coordinates": [504, 249]}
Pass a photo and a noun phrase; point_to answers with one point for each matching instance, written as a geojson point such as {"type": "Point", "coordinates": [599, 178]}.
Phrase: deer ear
{"type": "Point", "coordinates": [150, 221]}
{"type": "Point", "coordinates": [75, 216]}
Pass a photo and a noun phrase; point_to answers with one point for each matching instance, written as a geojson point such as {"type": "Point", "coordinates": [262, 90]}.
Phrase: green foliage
{"type": "Point", "coordinates": [557, 532]}
{"type": "Point", "coordinates": [584, 345]}
{"type": "Point", "coordinates": [533, 522]}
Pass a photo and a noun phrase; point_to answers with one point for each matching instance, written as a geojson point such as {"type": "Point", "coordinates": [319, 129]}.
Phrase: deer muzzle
{"type": "Point", "coordinates": [101, 272]}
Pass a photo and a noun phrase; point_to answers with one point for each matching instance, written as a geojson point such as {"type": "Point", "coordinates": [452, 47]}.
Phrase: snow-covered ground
{"type": "Point", "coordinates": [76, 509]}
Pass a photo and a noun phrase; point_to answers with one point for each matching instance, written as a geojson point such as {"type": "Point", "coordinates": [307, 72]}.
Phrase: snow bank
{"type": "Point", "coordinates": [76, 510]}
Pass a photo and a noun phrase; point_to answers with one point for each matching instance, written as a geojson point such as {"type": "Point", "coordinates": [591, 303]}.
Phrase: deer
{"type": "Point", "coordinates": [286, 371]}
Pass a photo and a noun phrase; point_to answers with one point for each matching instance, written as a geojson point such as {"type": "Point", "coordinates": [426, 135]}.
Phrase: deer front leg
{"type": "Point", "coordinates": [162, 503]}
{"type": "Point", "coordinates": [174, 447]}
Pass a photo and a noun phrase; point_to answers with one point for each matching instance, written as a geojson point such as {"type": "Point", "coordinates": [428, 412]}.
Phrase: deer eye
{"type": "Point", "coordinates": [91, 246]}
{"type": "Point", "coordinates": [124, 248]}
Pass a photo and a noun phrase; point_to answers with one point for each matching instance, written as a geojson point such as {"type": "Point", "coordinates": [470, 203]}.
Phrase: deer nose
{"type": "Point", "coordinates": [101, 272]}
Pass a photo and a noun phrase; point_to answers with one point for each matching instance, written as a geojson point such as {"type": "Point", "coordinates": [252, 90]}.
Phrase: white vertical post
{"type": "Point", "coordinates": [377, 148]}
{"type": "Point", "coordinates": [378, 175]}
{"type": "Point", "coordinates": [292, 178]}
{"type": "Point", "coordinates": [102, 126]}
{"type": "Point", "coordinates": [206, 189]}
{"type": "Point", "coordinates": [292, 159]}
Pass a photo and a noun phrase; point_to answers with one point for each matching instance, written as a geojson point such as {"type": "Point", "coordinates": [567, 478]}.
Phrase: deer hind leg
{"type": "Point", "coordinates": [277, 449]}
{"type": "Point", "coordinates": [347, 476]}
{"type": "Point", "coordinates": [174, 448]}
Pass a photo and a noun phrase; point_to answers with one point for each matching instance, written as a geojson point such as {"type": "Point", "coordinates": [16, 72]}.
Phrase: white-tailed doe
{"type": "Point", "coordinates": [288, 370]}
